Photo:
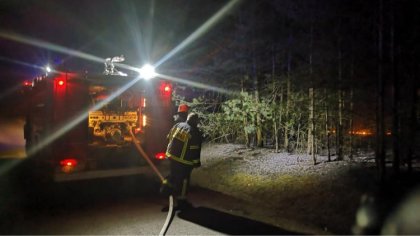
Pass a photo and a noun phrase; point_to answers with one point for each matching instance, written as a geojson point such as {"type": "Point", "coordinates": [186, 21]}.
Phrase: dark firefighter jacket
{"type": "Point", "coordinates": [184, 144]}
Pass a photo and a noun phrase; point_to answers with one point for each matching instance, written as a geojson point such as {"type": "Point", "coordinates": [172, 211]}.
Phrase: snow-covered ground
{"type": "Point", "coordinates": [289, 190]}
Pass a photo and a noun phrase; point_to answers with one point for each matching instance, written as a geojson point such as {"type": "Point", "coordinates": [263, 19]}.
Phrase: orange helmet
{"type": "Point", "coordinates": [183, 108]}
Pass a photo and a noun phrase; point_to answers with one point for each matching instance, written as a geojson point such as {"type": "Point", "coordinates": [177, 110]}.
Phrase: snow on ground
{"type": "Point", "coordinates": [320, 198]}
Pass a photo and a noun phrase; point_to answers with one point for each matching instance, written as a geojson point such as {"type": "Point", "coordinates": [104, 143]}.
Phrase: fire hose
{"type": "Point", "coordinates": [170, 215]}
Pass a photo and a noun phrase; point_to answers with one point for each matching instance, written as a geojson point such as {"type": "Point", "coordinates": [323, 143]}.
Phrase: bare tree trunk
{"type": "Point", "coordinates": [313, 95]}
{"type": "Point", "coordinates": [340, 106]}
{"type": "Point", "coordinates": [396, 100]}
{"type": "Point", "coordinates": [351, 111]}
{"type": "Point", "coordinates": [273, 73]}
{"type": "Point", "coordinates": [311, 130]}
{"type": "Point", "coordinates": [327, 132]}
{"type": "Point", "coordinates": [281, 107]}
{"type": "Point", "coordinates": [413, 123]}
{"type": "Point", "coordinates": [298, 137]}
{"type": "Point", "coordinates": [288, 97]}
{"type": "Point", "coordinates": [258, 118]}
{"type": "Point", "coordinates": [351, 125]}
{"type": "Point", "coordinates": [247, 141]}
{"type": "Point", "coordinates": [311, 134]}
{"type": "Point", "coordinates": [276, 136]}
{"type": "Point", "coordinates": [380, 134]}
{"type": "Point", "coordinates": [310, 144]}
{"type": "Point", "coordinates": [257, 92]}
{"type": "Point", "coordinates": [288, 89]}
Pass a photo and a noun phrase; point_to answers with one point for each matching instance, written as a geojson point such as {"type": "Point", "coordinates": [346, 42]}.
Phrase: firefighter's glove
{"type": "Point", "coordinates": [166, 188]}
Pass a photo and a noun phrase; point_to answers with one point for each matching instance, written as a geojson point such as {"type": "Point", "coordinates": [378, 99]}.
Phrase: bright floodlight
{"type": "Point", "coordinates": [48, 69]}
{"type": "Point", "coordinates": [147, 71]}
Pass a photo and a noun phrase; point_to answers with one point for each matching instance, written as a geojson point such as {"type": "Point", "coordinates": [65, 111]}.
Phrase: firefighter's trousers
{"type": "Point", "coordinates": [178, 180]}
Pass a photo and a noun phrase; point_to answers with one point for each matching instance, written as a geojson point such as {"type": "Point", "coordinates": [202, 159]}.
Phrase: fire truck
{"type": "Point", "coordinates": [84, 126]}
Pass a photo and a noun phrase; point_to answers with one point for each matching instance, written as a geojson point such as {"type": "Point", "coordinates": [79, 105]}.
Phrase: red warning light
{"type": "Point", "coordinates": [160, 156]}
{"type": "Point", "coordinates": [68, 162]}
{"type": "Point", "coordinates": [166, 89]}
{"type": "Point", "coordinates": [60, 82]}
{"type": "Point", "coordinates": [68, 165]}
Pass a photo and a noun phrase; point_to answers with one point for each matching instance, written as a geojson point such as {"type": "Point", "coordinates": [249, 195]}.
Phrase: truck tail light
{"type": "Point", "coordinates": [144, 120]}
{"type": "Point", "coordinates": [68, 165]}
{"type": "Point", "coordinates": [160, 156]}
{"type": "Point", "coordinates": [68, 162]}
{"type": "Point", "coordinates": [143, 103]}
{"type": "Point", "coordinates": [165, 89]}
{"type": "Point", "coordinates": [137, 130]}
{"type": "Point", "coordinates": [60, 82]}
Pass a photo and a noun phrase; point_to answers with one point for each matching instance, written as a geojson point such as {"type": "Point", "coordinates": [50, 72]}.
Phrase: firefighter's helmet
{"type": "Point", "coordinates": [183, 108]}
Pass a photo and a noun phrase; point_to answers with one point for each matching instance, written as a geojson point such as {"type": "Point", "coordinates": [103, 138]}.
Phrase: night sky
{"type": "Point", "coordinates": [142, 31]}
{"type": "Point", "coordinates": [253, 40]}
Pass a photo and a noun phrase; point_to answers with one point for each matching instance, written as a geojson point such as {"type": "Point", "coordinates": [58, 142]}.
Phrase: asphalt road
{"type": "Point", "coordinates": [129, 205]}
{"type": "Point", "coordinates": [124, 205]}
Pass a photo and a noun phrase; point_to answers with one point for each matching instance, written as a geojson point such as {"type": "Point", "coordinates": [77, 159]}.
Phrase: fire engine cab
{"type": "Point", "coordinates": [82, 126]}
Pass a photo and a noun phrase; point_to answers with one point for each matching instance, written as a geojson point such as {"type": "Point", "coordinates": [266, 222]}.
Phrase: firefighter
{"type": "Point", "coordinates": [182, 113]}
{"type": "Point", "coordinates": [183, 151]}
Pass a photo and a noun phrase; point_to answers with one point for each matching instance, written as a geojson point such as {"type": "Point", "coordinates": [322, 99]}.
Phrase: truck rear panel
{"type": "Point", "coordinates": [80, 126]}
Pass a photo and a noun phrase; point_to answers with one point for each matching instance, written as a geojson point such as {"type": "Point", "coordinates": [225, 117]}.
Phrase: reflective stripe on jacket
{"type": "Point", "coordinates": [184, 144]}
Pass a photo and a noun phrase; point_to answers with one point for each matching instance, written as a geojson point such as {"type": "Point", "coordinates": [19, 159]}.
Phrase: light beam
{"type": "Point", "coordinates": [200, 31]}
{"type": "Point", "coordinates": [50, 46]}
{"type": "Point", "coordinates": [197, 84]}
